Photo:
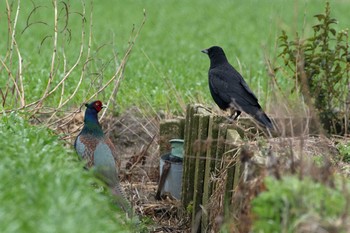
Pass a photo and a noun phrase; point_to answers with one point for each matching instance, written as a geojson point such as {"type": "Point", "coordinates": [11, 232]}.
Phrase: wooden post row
{"type": "Point", "coordinates": [204, 154]}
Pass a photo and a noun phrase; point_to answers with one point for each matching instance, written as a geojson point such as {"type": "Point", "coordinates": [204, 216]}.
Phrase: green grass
{"type": "Point", "coordinates": [44, 188]}
{"type": "Point", "coordinates": [292, 202]}
{"type": "Point", "coordinates": [168, 47]}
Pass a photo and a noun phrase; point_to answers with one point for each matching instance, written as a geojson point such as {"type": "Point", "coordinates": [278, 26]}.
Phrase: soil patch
{"type": "Point", "coordinates": [136, 137]}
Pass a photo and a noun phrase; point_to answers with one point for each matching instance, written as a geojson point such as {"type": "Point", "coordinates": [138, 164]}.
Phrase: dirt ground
{"type": "Point", "coordinates": [135, 136]}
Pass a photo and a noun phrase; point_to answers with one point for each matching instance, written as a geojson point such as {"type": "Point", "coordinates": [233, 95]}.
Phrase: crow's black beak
{"type": "Point", "coordinates": [205, 51]}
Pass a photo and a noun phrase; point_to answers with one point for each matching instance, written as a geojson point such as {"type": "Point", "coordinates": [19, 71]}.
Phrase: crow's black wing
{"type": "Point", "coordinates": [246, 87]}
{"type": "Point", "coordinates": [229, 85]}
{"type": "Point", "coordinates": [219, 89]}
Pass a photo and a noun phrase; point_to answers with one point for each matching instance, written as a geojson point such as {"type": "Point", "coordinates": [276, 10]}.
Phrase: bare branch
{"type": "Point", "coordinates": [54, 52]}
{"type": "Point", "coordinates": [119, 73]}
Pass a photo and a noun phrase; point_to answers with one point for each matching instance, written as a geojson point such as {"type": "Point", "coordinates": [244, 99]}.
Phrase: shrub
{"type": "Point", "coordinates": [344, 152]}
{"type": "Point", "coordinates": [321, 70]}
{"type": "Point", "coordinates": [293, 204]}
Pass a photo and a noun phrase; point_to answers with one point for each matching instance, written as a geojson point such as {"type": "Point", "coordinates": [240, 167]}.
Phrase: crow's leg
{"type": "Point", "coordinates": [238, 113]}
{"type": "Point", "coordinates": [234, 114]}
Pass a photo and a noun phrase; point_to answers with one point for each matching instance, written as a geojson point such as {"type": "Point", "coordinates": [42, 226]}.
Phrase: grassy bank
{"type": "Point", "coordinates": [45, 189]}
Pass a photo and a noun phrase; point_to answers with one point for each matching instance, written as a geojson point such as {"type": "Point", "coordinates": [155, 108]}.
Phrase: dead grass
{"type": "Point", "coordinates": [164, 215]}
{"type": "Point", "coordinates": [278, 157]}
{"type": "Point", "coordinates": [15, 97]}
{"type": "Point", "coordinates": [136, 136]}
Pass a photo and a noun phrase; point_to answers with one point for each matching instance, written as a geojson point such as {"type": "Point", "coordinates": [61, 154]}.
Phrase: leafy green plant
{"type": "Point", "coordinates": [344, 152]}
{"type": "Point", "coordinates": [321, 71]}
{"type": "Point", "coordinates": [290, 203]}
{"type": "Point", "coordinates": [45, 189]}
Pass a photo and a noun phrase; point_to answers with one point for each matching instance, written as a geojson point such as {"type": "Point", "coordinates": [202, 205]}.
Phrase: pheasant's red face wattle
{"type": "Point", "coordinates": [98, 105]}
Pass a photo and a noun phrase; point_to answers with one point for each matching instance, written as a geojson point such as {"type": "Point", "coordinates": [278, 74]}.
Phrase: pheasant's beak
{"type": "Point", "coordinates": [104, 106]}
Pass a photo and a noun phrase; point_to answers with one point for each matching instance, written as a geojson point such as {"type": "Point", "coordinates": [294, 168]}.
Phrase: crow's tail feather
{"type": "Point", "coordinates": [256, 112]}
{"type": "Point", "coordinates": [263, 119]}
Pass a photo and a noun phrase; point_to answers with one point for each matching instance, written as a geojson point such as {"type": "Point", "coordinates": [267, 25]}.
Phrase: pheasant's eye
{"type": "Point", "coordinates": [98, 104]}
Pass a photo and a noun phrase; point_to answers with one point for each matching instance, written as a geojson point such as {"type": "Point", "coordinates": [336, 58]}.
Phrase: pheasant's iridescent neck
{"type": "Point", "coordinates": [91, 124]}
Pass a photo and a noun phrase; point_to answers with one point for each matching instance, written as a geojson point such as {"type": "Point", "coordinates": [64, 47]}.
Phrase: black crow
{"type": "Point", "coordinates": [230, 91]}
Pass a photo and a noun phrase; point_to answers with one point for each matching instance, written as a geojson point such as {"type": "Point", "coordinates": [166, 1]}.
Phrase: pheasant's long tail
{"type": "Point", "coordinates": [122, 201]}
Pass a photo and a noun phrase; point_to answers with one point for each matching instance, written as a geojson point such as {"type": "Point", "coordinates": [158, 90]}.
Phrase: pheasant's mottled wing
{"type": "Point", "coordinates": [104, 164]}
{"type": "Point", "coordinates": [85, 146]}
{"type": "Point", "coordinates": [114, 151]}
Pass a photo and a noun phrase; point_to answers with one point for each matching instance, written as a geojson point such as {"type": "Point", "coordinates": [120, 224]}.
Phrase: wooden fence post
{"type": "Point", "coordinates": [189, 162]}
{"type": "Point", "coordinates": [200, 148]}
{"type": "Point", "coordinates": [209, 147]}
{"type": "Point", "coordinates": [231, 165]}
{"type": "Point", "coordinates": [170, 129]}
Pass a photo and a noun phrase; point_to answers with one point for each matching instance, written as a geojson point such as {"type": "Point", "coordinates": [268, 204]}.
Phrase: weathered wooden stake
{"type": "Point", "coordinates": [231, 161]}
{"type": "Point", "coordinates": [200, 152]}
{"type": "Point", "coordinates": [213, 130]}
{"type": "Point", "coordinates": [170, 129]}
{"type": "Point", "coordinates": [210, 146]}
{"type": "Point", "coordinates": [189, 161]}
{"type": "Point", "coordinates": [220, 147]}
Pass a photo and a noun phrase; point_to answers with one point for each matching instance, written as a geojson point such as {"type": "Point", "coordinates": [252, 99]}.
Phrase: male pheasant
{"type": "Point", "coordinates": [92, 145]}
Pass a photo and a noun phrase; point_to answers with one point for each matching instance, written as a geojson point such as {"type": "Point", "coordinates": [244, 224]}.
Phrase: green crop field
{"type": "Point", "coordinates": [165, 61]}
